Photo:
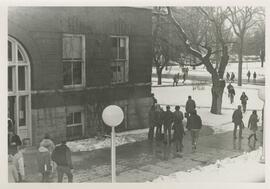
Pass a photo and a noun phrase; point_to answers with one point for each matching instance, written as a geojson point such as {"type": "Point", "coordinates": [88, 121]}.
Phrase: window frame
{"type": "Point", "coordinates": [114, 61]}
{"type": "Point", "coordinates": [73, 110]}
{"type": "Point", "coordinates": [72, 61]}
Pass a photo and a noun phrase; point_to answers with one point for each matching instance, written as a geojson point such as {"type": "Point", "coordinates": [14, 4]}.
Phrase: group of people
{"type": "Point", "coordinates": [50, 158]}
{"type": "Point", "coordinates": [230, 77]}
{"type": "Point", "coordinates": [254, 76]}
{"type": "Point", "coordinates": [237, 119]}
{"type": "Point", "coordinates": [173, 121]}
{"type": "Point", "coordinates": [243, 98]}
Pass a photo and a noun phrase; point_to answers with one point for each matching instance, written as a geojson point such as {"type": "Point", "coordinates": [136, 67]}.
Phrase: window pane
{"type": "Point", "coordinates": [21, 78]}
{"type": "Point", "coordinates": [20, 56]}
{"type": "Point", "coordinates": [122, 48]}
{"type": "Point", "coordinates": [114, 48]}
{"type": "Point", "coordinates": [72, 47]}
{"type": "Point", "coordinates": [77, 73]}
{"type": "Point", "coordinates": [77, 48]}
{"type": "Point", "coordinates": [77, 117]}
{"type": "Point", "coordinates": [67, 47]}
{"type": "Point", "coordinates": [69, 119]}
{"type": "Point", "coordinates": [10, 78]}
{"type": "Point", "coordinates": [67, 73]}
{"type": "Point", "coordinates": [22, 111]}
{"type": "Point", "coordinates": [9, 51]}
{"type": "Point", "coordinates": [11, 108]}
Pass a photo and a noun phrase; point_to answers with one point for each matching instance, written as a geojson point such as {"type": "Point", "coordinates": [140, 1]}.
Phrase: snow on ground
{"type": "Point", "coordinates": [231, 67]}
{"type": "Point", "coordinates": [121, 138]}
{"type": "Point", "coordinates": [244, 168]}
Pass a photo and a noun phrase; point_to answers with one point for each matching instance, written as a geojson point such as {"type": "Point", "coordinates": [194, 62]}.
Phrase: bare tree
{"type": "Point", "coordinates": [204, 54]}
{"type": "Point", "coordinates": [242, 19]}
{"type": "Point", "coordinates": [160, 49]}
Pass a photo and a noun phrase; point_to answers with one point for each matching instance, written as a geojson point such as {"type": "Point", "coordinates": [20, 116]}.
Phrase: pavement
{"type": "Point", "coordinates": [145, 160]}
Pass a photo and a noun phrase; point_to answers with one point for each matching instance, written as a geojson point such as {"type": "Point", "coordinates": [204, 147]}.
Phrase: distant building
{"type": "Point", "coordinates": [65, 64]}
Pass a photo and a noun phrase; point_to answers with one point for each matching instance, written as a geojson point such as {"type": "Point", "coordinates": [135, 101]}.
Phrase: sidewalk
{"type": "Point", "coordinates": [145, 161]}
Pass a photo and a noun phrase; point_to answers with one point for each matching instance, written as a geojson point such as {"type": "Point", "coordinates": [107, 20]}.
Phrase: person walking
{"type": "Point", "coordinates": [248, 75]}
{"type": "Point", "coordinates": [184, 77]}
{"type": "Point", "coordinates": [190, 106]}
{"type": "Point", "coordinates": [231, 92]}
{"type": "Point", "coordinates": [62, 157]}
{"type": "Point", "coordinates": [252, 125]}
{"type": "Point", "coordinates": [176, 79]}
{"type": "Point", "coordinates": [44, 163]}
{"type": "Point", "coordinates": [237, 120]}
{"type": "Point", "coordinates": [13, 142]}
{"type": "Point", "coordinates": [254, 77]}
{"type": "Point", "coordinates": [194, 125]}
{"type": "Point", "coordinates": [151, 116]}
{"type": "Point", "coordinates": [232, 77]}
{"type": "Point", "coordinates": [228, 76]}
{"type": "Point", "coordinates": [244, 100]}
{"type": "Point", "coordinates": [158, 117]}
{"type": "Point", "coordinates": [167, 120]}
{"type": "Point", "coordinates": [178, 129]}
{"type": "Point", "coordinates": [18, 170]}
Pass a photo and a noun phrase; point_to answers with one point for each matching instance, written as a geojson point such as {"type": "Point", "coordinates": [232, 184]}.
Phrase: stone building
{"type": "Point", "coordinates": [65, 64]}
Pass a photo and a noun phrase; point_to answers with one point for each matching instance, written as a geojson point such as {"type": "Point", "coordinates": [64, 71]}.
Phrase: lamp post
{"type": "Point", "coordinates": [261, 94]}
{"type": "Point", "coordinates": [112, 116]}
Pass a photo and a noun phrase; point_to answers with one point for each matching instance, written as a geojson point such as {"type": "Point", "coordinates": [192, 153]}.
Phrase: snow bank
{"type": "Point", "coordinates": [95, 143]}
{"type": "Point", "coordinates": [244, 168]}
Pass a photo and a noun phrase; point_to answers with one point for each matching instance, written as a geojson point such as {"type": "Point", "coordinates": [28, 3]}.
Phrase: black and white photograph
{"type": "Point", "coordinates": [135, 94]}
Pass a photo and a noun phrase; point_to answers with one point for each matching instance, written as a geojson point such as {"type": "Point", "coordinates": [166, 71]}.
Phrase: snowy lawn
{"type": "Point", "coordinates": [244, 168]}
{"type": "Point", "coordinates": [231, 67]}
{"type": "Point", "coordinates": [220, 123]}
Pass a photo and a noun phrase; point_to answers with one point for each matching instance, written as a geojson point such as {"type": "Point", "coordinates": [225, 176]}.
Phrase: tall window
{"type": "Point", "coordinates": [73, 60]}
{"type": "Point", "coordinates": [120, 59]}
{"type": "Point", "coordinates": [19, 106]}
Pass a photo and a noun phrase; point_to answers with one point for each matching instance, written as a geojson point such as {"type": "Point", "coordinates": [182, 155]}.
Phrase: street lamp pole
{"type": "Point", "coordinates": [113, 155]}
{"type": "Point", "coordinates": [113, 115]}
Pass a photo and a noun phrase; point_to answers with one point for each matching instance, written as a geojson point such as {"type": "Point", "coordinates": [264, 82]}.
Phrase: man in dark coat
{"type": "Point", "coordinates": [178, 128]}
{"type": "Point", "coordinates": [231, 92]}
{"type": "Point", "coordinates": [194, 124]}
{"type": "Point", "coordinates": [244, 100]}
{"type": "Point", "coordinates": [62, 157]}
{"type": "Point", "coordinates": [13, 142]}
{"type": "Point", "coordinates": [167, 120]}
{"type": "Point", "coordinates": [190, 106]}
{"type": "Point", "coordinates": [151, 116]}
{"type": "Point", "coordinates": [158, 119]}
{"type": "Point", "coordinates": [254, 77]}
{"type": "Point", "coordinates": [237, 120]}
{"type": "Point", "coordinates": [248, 75]}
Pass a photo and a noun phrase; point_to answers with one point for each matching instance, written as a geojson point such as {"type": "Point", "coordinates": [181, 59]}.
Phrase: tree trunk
{"type": "Point", "coordinates": [240, 59]}
{"type": "Point", "coordinates": [217, 93]}
{"type": "Point", "coordinates": [159, 75]}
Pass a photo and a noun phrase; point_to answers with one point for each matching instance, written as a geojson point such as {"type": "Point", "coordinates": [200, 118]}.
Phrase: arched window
{"type": "Point", "coordinates": [19, 89]}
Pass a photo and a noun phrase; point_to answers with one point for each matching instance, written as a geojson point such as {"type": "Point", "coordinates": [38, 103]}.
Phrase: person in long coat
{"type": "Point", "coordinates": [244, 100]}
{"type": "Point", "coordinates": [167, 120]}
{"type": "Point", "coordinates": [237, 120]}
{"type": "Point", "coordinates": [178, 128]}
{"type": "Point", "coordinates": [151, 116]}
{"type": "Point", "coordinates": [194, 125]}
{"type": "Point", "coordinates": [44, 163]}
{"type": "Point", "coordinates": [252, 125]}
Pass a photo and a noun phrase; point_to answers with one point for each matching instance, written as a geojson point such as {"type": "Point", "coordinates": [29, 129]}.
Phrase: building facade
{"type": "Point", "coordinates": [65, 64]}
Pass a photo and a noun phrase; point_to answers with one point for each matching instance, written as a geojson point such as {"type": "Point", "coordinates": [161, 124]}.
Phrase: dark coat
{"type": "Point", "coordinates": [190, 106]}
{"type": "Point", "coordinates": [194, 122]}
{"type": "Point", "coordinates": [237, 117]}
{"type": "Point", "coordinates": [252, 122]}
{"type": "Point", "coordinates": [244, 99]}
{"type": "Point", "coordinates": [62, 156]}
{"type": "Point", "coordinates": [178, 124]}
{"type": "Point", "coordinates": [13, 142]}
{"type": "Point", "coordinates": [167, 118]}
